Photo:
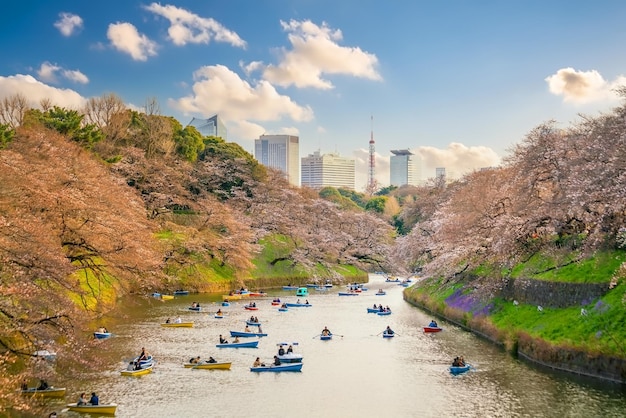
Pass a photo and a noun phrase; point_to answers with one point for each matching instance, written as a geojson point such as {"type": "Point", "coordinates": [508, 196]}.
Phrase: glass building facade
{"type": "Point", "coordinates": [281, 152]}
{"type": "Point", "coordinates": [325, 170]}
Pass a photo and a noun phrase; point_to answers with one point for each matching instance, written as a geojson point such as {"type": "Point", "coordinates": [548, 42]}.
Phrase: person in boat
{"type": "Point", "coordinates": [53, 414]}
{"type": "Point", "coordinates": [306, 302]}
{"type": "Point", "coordinates": [223, 340]}
{"type": "Point", "coordinates": [455, 362]}
{"type": "Point", "coordinates": [389, 331]}
{"type": "Point", "coordinates": [256, 320]}
{"type": "Point", "coordinates": [259, 329]}
{"type": "Point", "coordinates": [276, 361]}
{"type": "Point", "coordinates": [94, 400]}
{"type": "Point", "coordinates": [82, 400]}
{"type": "Point", "coordinates": [219, 311]}
{"type": "Point", "coordinates": [326, 331]}
{"type": "Point", "coordinates": [211, 360]}
{"type": "Point", "coordinates": [298, 301]}
{"type": "Point", "coordinates": [257, 363]}
{"type": "Point", "coordinates": [290, 349]}
{"type": "Point", "coordinates": [281, 351]}
{"type": "Point", "coordinates": [43, 385]}
{"type": "Point", "coordinates": [461, 361]}
{"type": "Point", "coordinates": [24, 384]}
{"type": "Point", "coordinates": [247, 329]}
{"type": "Point", "coordinates": [194, 360]}
{"type": "Point", "coordinates": [284, 305]}
{"type": "Point", "coordinates": [193, 305]}
{"type": "Point", "coordinates": [375, 306]}
{"type": "Point", "coordinates": [252, 318]}
{"type": "Point", "coordinates": [433, 324]}
{"type": "Point", "coordinates": [236, 340]}
{"type": "Point", "coordinates": [178, 320]}
{"type": "Point", "coordinates": [167, 321]}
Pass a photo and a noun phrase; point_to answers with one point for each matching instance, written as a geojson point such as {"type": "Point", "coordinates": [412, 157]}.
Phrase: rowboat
{"type": "Point", "coordinates": [302, 291]}
{"type": "Point", "coordinates": [326, 337]}
{"type": "Point", "coordinates": [177, 324]}
{"type": "Point", "coordinates": [225, 303]}
{"type": "Point", "coordinates": [221, 366]}
{"type": "Point", "coordinates": [290, 358]}
{"type": "Point", "coordinates": [373, 310]}
{"type": "Point", "coordinates": [459, 369]}
{"type": "Point", "coordinates": [381, 293]}
{"type": "Point", "coordinates": [253, 323]}
{"type": "Point", "coordinates": [139, 372]}
{"type": "Point", "coordinates": [101, 335]}
{"type": "Point", "coordinates": [392, 280]}
{"type": "Point", "coordinates": [181, 292]}
{"type": "Point", "coordinates": [283, 309]}
{"type": "Point", "coordinates": [167, 297]}
{"type": "Point", "coordinates": [247, 334]}
{"type": "Point", "coordinates": [383, 313]}
{"type": "Point", "coordinates": [250, 308]}
{"type": "Point", "coordinates": [298, 305]}
{"type": "Point", "coordinates": [290, 287]}
{"type": "Point", "coordinates": [108, 409]}
{"type": "Point", "coordinates": [195, 308]}
{"type": "Point", "coordinates": [388, 334]}
{"type": "Point", "coordinates": [246, 344]}
{"type": "Point", "coordinates": [50, 392]}
{"type": "Point", "coordinates": [432, 329]}
{"type": "Point", "coordinates": [349, 293]}
{"type": "Point", "coordinates": [45, 354]}
{"type": "Point", "coordinates": [275, 302]}
{"type": "Point", "coordinates": [231, 297]}
{"type": "Point", "coordinates": [219, 316]}
{"type": "Point", "coordinates": [310, 285]}
{"type": "Point", "coordinates": [257, 294]}
{"type": "Point", "coordinates": [289, 367]}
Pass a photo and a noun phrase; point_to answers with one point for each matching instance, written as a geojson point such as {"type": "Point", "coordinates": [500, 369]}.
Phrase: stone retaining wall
{"type": "Point", "coordinates": [553, 294]}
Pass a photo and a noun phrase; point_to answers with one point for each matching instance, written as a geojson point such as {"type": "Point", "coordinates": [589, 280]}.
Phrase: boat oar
{"type": "Point", "coordinates": [315, 336]}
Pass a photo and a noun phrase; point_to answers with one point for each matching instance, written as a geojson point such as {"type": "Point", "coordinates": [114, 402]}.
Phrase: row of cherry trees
{"type": "Point", "coordinates": [558, 187]}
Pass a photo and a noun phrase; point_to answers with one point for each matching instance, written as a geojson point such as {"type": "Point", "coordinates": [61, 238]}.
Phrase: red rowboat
{"type": "Point", "coordinates": [432, 329]}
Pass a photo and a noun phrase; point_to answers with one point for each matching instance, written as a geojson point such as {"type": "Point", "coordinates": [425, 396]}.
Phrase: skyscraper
{"type": "Point", "coordinates": [212, 126]}
{"type": "Point", "coordinates": [404, 168]}
{"type": "Point", "coordinates": [327, 170]}
{"type": "Point", "coordinates": [281, 152]}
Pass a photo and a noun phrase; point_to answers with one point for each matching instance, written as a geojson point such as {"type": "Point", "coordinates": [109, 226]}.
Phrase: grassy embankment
{"type": "Point", "coordinates": [600, 332]}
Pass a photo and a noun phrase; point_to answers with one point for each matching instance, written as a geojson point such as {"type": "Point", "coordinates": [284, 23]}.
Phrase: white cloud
{"type": "Point", "coordinates": [315, 52]}
{"type": "Point", "coordinates": [580, 87]}
{"type": "Point", "coordinates": [125, 38]}
{"type": "Point", "coordinates": [458, 159]}
{"type": "Point", "coordinates": [186, 27]}
{"type": "Point", "coordinates": [68, 23]}
{"type": "Point", "coordinates": [48, 72]}
{"type": "Point", "coordinates": [35, 91]}
{"type": "Point", "coordinates": [217, 89]}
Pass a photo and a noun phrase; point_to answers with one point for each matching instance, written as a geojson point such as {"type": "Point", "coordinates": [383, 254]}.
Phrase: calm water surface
{"type": "Point", "coordinates": [357, 374]}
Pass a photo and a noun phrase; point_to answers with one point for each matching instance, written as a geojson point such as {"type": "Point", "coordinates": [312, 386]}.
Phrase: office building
{"type": "Point", "coordinates": [281, 152]}
{"type": "Point", "coordinates": [404, 168]}
{"type": "Point", "coordinates": [212, 126]}
{"type": "Point", "coordinates": [327, 170]}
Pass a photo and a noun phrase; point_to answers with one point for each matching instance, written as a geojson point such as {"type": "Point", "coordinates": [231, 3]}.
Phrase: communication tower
{"type": "Point", "coordinates": [371, 183]}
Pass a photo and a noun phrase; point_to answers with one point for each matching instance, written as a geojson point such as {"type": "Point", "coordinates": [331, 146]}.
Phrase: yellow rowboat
{"type": "Point", "coordinates": [231, 297]}
{"type": "Point", "coordinates": [108, 409]}
{"type": "Point", "coordinates": [221, 366]}
{"type": "Point", "coordinates": [139, 372]}
{"type": "Point", "coordinates": [51, 392]}
{"type": "Point", "coordinates": [167, 297]}
{"type": "Point", "coordinates": [178, 324]}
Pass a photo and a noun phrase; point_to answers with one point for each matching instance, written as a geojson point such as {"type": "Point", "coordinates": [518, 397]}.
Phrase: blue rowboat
{"type": "Point", "coordinates": [311, 285]}
{"type": "Point", "coordinates": [219, 316]}
{"type": "Point", "coordinates": [373, 310]}
{"type": "Point", "coordinates": [101, 335]}
{"type": "Point", "coordinates": [195, 308]}
{"type": "Point", "coordinates": [298, 305]}
{"type": "Point", "coordinates": [253, 324]}
{"type": "Point", "coordinates": [381, 293]}
{"type": "Point", "coordinates": [455, 370]}
{"type": "Point", "coordinates": [302, 291]}
{"type": "Point", "coordinates": [247, 334]}
{"type": "Point", "coordinates": [290, 287]}
{"type": "Point", "coordinates": [225, 303]}
{"type": "Point", "coordinates": [348, 294]}
{"type": "Point", "coordinates": [383, 313]}
{"type": "Point", "coordinates": [289, 367]}
{"type": "Point", "coordinates": [181, 292]}
{"type": "Point", "coordinates": [247, 344]}
{"type": "Point", "coordinates": [326, 337]}
{"type": "Point", "coordinates": [283, 309]}
{"type": "Point", "coordinates": [388, 334]}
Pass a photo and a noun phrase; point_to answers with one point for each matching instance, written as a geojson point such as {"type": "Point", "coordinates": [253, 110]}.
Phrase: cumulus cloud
{"type": "Point", "coordinates": [48, 72]}
{"type": "Point", "coordinates": [315, 52]}
{"type": "Point", "coordinates": [68, 23]}
{"type": "Point", "coordinates": [186, 27]}
{"type": "Point", "coordinates": [217, 89]}
{"type": "Point", "coordinates": [580, 87]}
{"type": "Point", "coordinates": [35, 91]}
{"type": "Point", "coordinates": [125, 38]}
{"type": "Point", "coordinates": [457, 159]}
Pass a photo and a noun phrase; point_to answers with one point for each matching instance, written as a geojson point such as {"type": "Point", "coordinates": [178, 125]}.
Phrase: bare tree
{"type": "Point", "coordinates": [12, 110]}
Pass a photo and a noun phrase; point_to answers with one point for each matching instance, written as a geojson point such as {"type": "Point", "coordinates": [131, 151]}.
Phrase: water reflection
{"type": "Point", "coordinates": [357, 375]}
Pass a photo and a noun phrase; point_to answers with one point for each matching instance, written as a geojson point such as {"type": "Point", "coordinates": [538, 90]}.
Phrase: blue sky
{"type": "Point", "coordinates": [457, 82]}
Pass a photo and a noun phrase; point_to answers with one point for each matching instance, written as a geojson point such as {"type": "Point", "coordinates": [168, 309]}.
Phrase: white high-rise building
{"type": "Point", "coordinates": [404, 168]}
{"type": "Point", "coordinates": [281, 152]}
{"type": "Point", "coordinates": [327, 170]}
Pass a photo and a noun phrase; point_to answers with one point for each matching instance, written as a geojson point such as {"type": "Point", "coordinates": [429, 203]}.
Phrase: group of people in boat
{"type": "Point", "coordinates": [43, 385]}
{"type": "Point", "coordinates": [276, 300]}
{"type": "Point", "coordinates": [259, 363]}
{"type": "Point", "coordinates": [252, 305]}
{"type": "Point", "coordinates": [102, 330]}
{"type": "Point", "coordinates": [306, 302]}
{"type": "Point", "coordinates": [254, 319]}
{"type": "Point", "coordinates": [195, 305]}
{"type": "Point", "coordinates": [176, 321]}
{"type": "Point", "coordinates": [196, 360]}
{"type": "Point", "coordinates": [282, 352]}
{"type": "Point", "coordinates": [381, 308]}
{"type": "Point", "coordinates": [83, 401]}
{"type": "Point", "coordinates": [458, 362]}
